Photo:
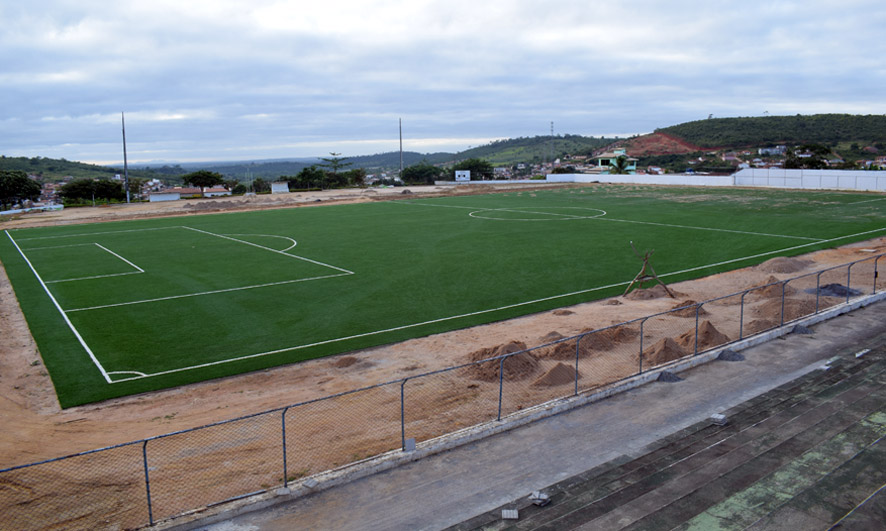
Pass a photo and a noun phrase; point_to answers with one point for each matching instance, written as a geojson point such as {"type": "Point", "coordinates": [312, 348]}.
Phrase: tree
{"type": "Point", "coordinates": [260, 185]}
{"type": "Point", "coordinates": [90, 190]}
{"type": "Point", "coordinates": [355, 177]}
{"type": "Point", "coordinates": [480, 169]}
{"type": "Point", "coordinates": [310, 177]}
{"type": "Point", "coordinates": [421, 173]}
{"type": "Point", "coordinates": [620, 167]}
{"type": "Point", "coordinates": [335, 163]}
{"type": "Point", "coordinates": [15, 186]}
{"type": "Point", "coordinates": [203, 179]}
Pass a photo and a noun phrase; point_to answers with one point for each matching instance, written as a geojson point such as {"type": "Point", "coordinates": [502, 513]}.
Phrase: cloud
{"type": "Point", "coordinates": [226, 79]}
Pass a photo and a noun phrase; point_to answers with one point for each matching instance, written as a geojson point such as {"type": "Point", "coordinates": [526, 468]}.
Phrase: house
{"type": "Point", "coordinates": [605, 160]}
{"type": "Point", "coordinates": [174, 194]}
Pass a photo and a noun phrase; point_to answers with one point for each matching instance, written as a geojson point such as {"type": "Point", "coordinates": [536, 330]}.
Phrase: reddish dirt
{"type": "Point", "coordinates": [659, 144]}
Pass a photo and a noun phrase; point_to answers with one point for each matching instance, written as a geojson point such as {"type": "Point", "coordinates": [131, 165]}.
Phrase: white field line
{"type": "Point", "coordinates": [202, 293]}
{"type": "Point", "coordinates": [96, 233]}
{"type": "Point", "coordinates": [867, 201]}
{"type": "Point", "coordinates": [94, 277]}
{"type": "Point", "coordinates": [120, 257]}
{"type": "Point", "coordinates": [603, 218]}
{"type": "Point", "coordinates": [62, 312]}
{"type": "Point", "coordinates": [294, 243]}
{"type": "Point", "coordinates": [481, 312]}
{"type": "Point", "coordinates": [102, 247]}
{"type": "Point", "coordinates": [272, 250]}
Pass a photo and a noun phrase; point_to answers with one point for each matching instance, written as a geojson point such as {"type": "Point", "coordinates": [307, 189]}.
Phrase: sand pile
{"type": "Point", "coordinates": [600, 341]}
{"type": "Point", "coordinates": [344, 362]}
{"type": "Point", "coordinates": [793, 309]}
{"type": "Point", "coordinates": [655, 292]}
{"type": "Point", "coordinates": [664, 351]}
{"type": "Point", "coordinates": [688, 312]}
{"type": "Point", "coordinates": [758, 325]}
{"type": "Point", "coordinates": [560, 374]}
{"type": "Point", "coordinates": [773, 290]}
{"type": "Point", "coordinates": [708, 337]}
{"type": "Point", "coordinates": [783, 264]}
{"type": "Point", "coordinates": [517, 367]}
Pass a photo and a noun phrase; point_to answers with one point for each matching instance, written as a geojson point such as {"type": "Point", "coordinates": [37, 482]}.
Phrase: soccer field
{"type": "Point", "coordinates": [126, 307]}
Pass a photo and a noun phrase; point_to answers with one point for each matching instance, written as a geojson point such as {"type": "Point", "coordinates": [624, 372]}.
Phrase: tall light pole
{"type": "Point", "coordinates": [125, 164]}
{"type": "Point", "coordinates": [401, 148]}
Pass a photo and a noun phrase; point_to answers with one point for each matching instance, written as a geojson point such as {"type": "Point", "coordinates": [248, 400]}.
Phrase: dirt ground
{"type": "Point", "coordinates": [33, 427]}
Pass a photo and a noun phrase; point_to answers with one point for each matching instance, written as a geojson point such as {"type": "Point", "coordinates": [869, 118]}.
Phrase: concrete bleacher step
{"type": "Point", "coordinates": [708, 477]}
{"type": "Point", "coordinates": [656, 489]}
{"type": "Point", "coordinates": [841, 497]}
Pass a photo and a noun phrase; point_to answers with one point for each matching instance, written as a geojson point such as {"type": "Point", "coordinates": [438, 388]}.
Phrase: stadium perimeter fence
{"type": "Point", "coordinates": [155, 479]}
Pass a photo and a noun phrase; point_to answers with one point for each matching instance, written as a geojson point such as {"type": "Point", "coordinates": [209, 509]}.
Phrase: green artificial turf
{"type": "Point", "coordinates": [161, 303]}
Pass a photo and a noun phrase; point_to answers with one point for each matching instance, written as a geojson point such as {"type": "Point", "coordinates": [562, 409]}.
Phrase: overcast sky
{"type": "Point", "coordinates": [233, 80]}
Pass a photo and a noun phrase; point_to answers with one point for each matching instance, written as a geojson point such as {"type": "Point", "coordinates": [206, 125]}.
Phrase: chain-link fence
{"type": "Point", "coordinates": [140, 483]}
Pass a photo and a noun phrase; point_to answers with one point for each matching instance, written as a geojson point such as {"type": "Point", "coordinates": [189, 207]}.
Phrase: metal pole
{"type": "Point", "coordinates": [125, 164]}
{"type": "Point", "coordinates": [403, 414]}
{"type": "Point", "coordinates": [875, 272]}
{"type": "Point", "coordinates": [147, 482]}
{"type": "Point", "coordinates": [697, 311]}
{"type": "Point", "coordinates": [285, 471]}
{"type": "Point", "coordinates": [817, 289]}
{"type": "Point", "coordinates": [783, 284]}
{"type": "Point", "coordinates": [501, 384]}
{"type": "Point", "coordinates": [641, 345]}
{"type": "Point", "coordinates": [577, 343]}
{"type": "Point", "coordinates": [741, 318]}
{"type": "Point", "coordinates": [848, 280]}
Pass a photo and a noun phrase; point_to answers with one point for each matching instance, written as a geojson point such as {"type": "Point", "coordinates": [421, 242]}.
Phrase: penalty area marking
{"type": "Point", "coordinates": [481, 312]}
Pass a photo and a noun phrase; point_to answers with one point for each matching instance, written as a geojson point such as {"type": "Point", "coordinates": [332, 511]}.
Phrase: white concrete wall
{"type": "Point", "coordinates": [281, 187]}
{"type": "Point", "coordinates": [670, 178]}
{"type": "Point", "coordinates": [813, 179]}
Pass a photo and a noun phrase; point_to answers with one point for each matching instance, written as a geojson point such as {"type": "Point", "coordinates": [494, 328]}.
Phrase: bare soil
{"type": "Point", "coordinates": [33, 427]}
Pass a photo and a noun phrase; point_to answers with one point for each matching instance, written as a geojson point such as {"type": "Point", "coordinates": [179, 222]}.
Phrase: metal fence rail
{"type": "Point", "coordinates": [143, 482]}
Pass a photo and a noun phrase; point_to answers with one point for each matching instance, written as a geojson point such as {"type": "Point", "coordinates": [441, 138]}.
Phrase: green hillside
{"type": "Point", "coordinates": [53, 170]}
{"type": "Point", "coordinates": [534, 149]}
{"type": "Point", "coordinates": [829, 129]}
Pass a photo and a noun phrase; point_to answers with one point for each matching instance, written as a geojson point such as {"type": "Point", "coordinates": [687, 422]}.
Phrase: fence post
{"type": "Point", "coordinates": [285, 470]}
{"type": "Point", "coordinates": [849, 280]}
{"type": "Point", "coordinates": [741, 318]}
{"type": "Point", "coordinates": [642, 322]}
{"type": "Point", "coordinates": [501, 383]}
{"type": "Point", "coordinates": [783, 285]}
{"type": "Point", "coordinates": [403, 414]}
{"type": "Point", "coordinates": [817, 289]}
{"type": "Point", "coordinates": [147, 481]}
{"type": "Point", "coordinates": [577, 350]}
{"type": "Point", "coordinates": [697, 311]}
{"type": "Point", "coordinates": [877, 259]}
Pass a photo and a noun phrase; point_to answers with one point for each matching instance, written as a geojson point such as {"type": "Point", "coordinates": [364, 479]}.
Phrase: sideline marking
{"type": "Point", "coordinates": [480, 312]}
{"type": "Point", "coordinates": [62, 312]}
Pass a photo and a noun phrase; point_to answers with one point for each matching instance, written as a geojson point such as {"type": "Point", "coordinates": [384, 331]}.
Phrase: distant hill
{"type": "Point", "coordinates": [534, 149]}
{"type": "Point", "coordinates": [828, 129]}
{"type": "Point", "coordinates": [57, 169]}
{"type": "Point", "coordinates": [853, 137]}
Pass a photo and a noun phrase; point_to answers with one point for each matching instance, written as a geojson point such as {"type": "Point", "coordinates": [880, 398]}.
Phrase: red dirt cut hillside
{"type": "Point", "coordinates": [659, 144]}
